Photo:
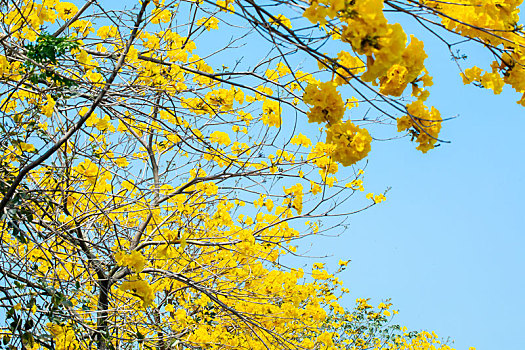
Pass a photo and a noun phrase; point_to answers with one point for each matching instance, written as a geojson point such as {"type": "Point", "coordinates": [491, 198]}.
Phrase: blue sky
{"type": "Point", "coordinates": [447, 246]}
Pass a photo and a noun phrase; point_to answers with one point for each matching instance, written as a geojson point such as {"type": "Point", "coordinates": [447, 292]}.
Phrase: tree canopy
{"type": "Point", "coordinates": [162, 160]}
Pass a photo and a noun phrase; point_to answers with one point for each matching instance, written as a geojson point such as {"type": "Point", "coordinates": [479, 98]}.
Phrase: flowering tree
{"type": "Point", "coordinates": [158, 165]}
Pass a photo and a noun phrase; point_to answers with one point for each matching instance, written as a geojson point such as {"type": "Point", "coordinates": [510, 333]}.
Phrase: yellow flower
{"type": "Point", "coordinates": [425, 125]}
{"type": "Point", "coordinates": [27, 147]}
{"type": "Point", "coordinates": [134, 260]}
{"type": "Point", "coordinates": [281, 20]}
{"type": "Point", "coordinates": [158, 16]}
{"type": "Point", "coordinates": [352, 64]}
{"type": "Point", "coordinates": [395, 81]}
{"type": "Point", "coordinates": [379, 198]}
{"type": "Point", "coordinates": [268, 203]}
{"type": "Point", "coordinates": [343, 262]}
{"type": "Point", "coordinates": [315, 188]}
{"type": "Point", "coordinates": [301, 140]}
{"type": "Point", "coordinates": [47, 110]}
{"type": "Point", "coordinates": [121, 162]}
{"type": "Point", "coordinates": [271, 113]}
{"type": "Point", "coordinates": [66, 10]}
{"type": "Point", "coordinates": [226, 5]}
{"type": "Point", "coordinates": [492, 81]}
{"type": "Point", "coordinates": [209, 23]}
{"type": "Point", "coordinates": [356, 185]}
{"type": "Point", "coordinates": [413, 58]}
{"type": "Point", "coordinates": [351, 142]}
{"type": "Point", "coordinates": [104, 124]}
{"type": "Point", "coordinates": [328, 106]}
{"type": "Point", "coordinates": [471, 74]}
{"type": "Point", "coordinates": [220, 137]}
{"type": "Point", "coordinates": [141, 288]}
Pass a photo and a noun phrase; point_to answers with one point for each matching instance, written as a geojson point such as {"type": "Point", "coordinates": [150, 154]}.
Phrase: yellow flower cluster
{"type": "Point", "coordinates": [395, 82]}
{"type": "Point", "coordinates": [220, 137]}
{"type": "Point", "coordinates": [141, 289]}
{"type": "Point", "coordinates": [48, 108]}
{"type": "Point", "coordinates": [378, 198]}
{"type": "Point", "coordinates": [488, 80]}
{"type": "Point", "coordinates": [382, 51]}
{"type": "Point", "coordinates": [134, 260]}
{"type": "Point", "coordinates": [64, 336]}
{"type": "Point", "coordinates": [295, 197]}
{"type": "Point", "coordinates": [301, 140]}
{"type": "Point", "coordinates": [356, 185]}
{"type": "Point", "coordinates": [281, 20]}
{"type": "Point", "coordinates": [349, 143]}
{"type": "Point", "coordinates": [494, 23]}
{"type": "Point", "coordinates": [209, 23]}
{"type": "Point", "coordinates": [424, 125]}
{"type": "Point", "coordinates": [471, 17]}
{"type": "Point", "coordinates": [321, 156]}
{"type": "Point", "coordinates": [351, 63]}
{"type": "Point", "coordinates": [352, 143]}
{"type": "Point", "coordinates": [366, 29]}
{"type": "Point", "coordinates": [271, 113]}
{"type": "Point", "coordinates": [320, 9]}
{"type": "Point", "coordinates": [389, 63]}
{"type": "Point", "coordinates": [328, 106]}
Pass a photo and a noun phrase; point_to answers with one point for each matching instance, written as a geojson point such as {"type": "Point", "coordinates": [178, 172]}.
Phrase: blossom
{"type": "Point", "coordinates": [134, 260]}
{"type": "Point", "coordinates": [395, 81]}
{"type": "Point", "coordinates": [47, 109]}
{"type": "Point", "coordinates": [160, 16]}
{"type": "Point", "coordinates": [352, 143]}
{"type": "Point", "coordinates": [343, 262]}
{"type": "Point", "coordinates": [141, 288]}
{"type": "Point", "coordinates": [471, 75]}
{"type": "Point", "coordinates": [209, 23]}
{"type": "Point", "coordinates": [351, 63]}
{"type": "Point", "coordinates": [327, 104]}
{"type": "Point", "coordinates": [220, 137]}
{"type": "Point", "coordinates": [281, 20]}
{"type": "Point", "coordinates": [271, 113]}
{"type": "Point", "coordinates": [425, 125]}
{"type": "Point", "coordinates": [66, 10]}
{"type": "Point", "coordinates": [492, 81]}
{"type": "Point", "coordinates": [121, 162]}
{"type": "Point", "coordinates": [27, 147]}
{"type": "Point", "coordinates": [301, 140]}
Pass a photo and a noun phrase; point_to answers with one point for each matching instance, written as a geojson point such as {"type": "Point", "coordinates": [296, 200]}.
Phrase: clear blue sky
{"type": "Point", "coordinates": [448, 245]}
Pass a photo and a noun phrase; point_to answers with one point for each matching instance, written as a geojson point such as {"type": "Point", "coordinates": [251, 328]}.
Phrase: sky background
{"type": "Point", "coordinates": [447, 245]}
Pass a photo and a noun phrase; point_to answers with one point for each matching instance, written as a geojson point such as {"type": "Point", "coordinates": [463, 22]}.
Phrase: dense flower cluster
{"type": "Point", "coordinates": [390, 63]}
{"type": "Point", "coordinates": [327, 103]}
{"type": "Point", "coordinates": [423, 124]}
{"type": "Point", "coordinates": [63, 336]}
{"type": "Point", "coordinates": [134, 260]}
{"type": "Point", "coordinates": [352, 143]}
